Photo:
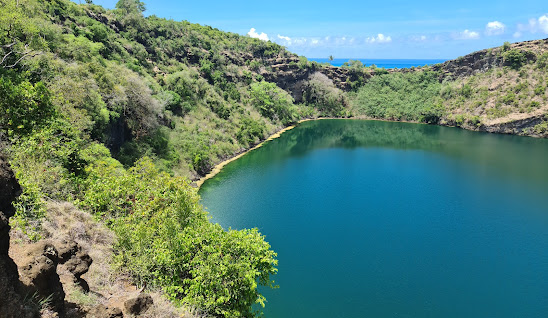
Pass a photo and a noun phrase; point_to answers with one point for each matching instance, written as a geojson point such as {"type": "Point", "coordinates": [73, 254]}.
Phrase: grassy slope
{"type": "Point", "coordinates": [481, 91]}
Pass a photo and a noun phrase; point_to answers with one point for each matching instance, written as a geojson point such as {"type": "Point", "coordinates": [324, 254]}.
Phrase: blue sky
{"type": "Point", "coordinates": [368, 29]}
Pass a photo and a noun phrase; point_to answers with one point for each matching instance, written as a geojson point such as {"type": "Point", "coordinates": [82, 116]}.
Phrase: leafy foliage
{"type": "Point", "coordinates": [92, 93]}
{"type": "Point", "coordinates": [401, 96]}
{"type": "Point", "coordinates": [515, 58]}
{"type": "Point", "coordinates": [26, 106]}
{"type": "Point", "coordinates": [328, 100]}
{"type": "Point", "coordinates": [272, 102]}
{"type": "Point", "coordinates": [166, 240]}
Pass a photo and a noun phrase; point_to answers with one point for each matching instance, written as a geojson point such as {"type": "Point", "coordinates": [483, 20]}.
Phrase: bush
{"type": "Point", "coordinates": [250, 131]}
{"type": "Point", "coordinates": [514, 58]}
{"type": "Point", "coordinates": [24, 106]}
{"type": "Point", "coordinates": [320, 93]}
{"type": "Point", "coordinates": [466, 90]}
{"type": "Point", "coordinates": [273, 102]}
{"type": "Point", "coordinates": [409, 96]}
{"type": "Point", "coordinates": [165, 239]}
{"type": "Point", "coordinates": [542, 61]}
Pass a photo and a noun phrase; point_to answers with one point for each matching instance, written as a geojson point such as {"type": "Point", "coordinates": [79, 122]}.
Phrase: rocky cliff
{"type": "Point", "coordinates": [484, 60]}
{"type": "Point", "coordinates": [11, 303]}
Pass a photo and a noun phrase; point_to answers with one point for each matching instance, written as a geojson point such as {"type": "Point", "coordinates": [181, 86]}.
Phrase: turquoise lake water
{"type": "Point", "coordinates": [382, 219]}
{"type": "Point", "coordinates": [386, 63]}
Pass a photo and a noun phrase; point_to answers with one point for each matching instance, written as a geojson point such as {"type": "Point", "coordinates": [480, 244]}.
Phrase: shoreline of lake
{"type": "Point", "coordinates": [496, 129]}
{"type": "Point", "coordinates": [218, 167]}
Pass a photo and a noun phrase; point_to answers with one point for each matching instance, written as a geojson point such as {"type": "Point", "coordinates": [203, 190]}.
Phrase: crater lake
{"type": "Point", "coordinates": [384, 219]}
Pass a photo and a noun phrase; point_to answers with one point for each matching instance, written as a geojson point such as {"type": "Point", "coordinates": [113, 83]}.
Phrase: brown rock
{"type": "Point", "coordinates": [39, 274]}
{"type": "Point", "coordinates": [11, 304]}
{"type": "Point", "coordinates": [66, 248]}
{"type": "Point", "coordinates": [102, 311]}
{"type": "Point", "coordinates": [138, 305]}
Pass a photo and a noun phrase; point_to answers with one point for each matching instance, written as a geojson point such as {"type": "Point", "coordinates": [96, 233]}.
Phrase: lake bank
{"type": "Point", "coordinates": [507, 128]}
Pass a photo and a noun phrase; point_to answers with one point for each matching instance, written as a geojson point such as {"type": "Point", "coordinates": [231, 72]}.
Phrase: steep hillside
{"type": "Point", "coordinates": [501, 90]}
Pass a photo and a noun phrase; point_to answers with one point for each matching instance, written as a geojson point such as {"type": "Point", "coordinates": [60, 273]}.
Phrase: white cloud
{"type": "Point", "coordinates": [543, 23]}
{"type": "Point", "coordinates": [285, 38]}
{"type": "Point", "coordinates": [517, 34]}
{"type": "Point", "coordinates": [253, 33]}
{"type": "Point", "coordinates": [495, 28]}
{"type": "Point", "coordinates": [534, 25]}
{"type": "Point", "coordinates": [467, 35]}
{"type": "Point", "coordinates": [380, 38]}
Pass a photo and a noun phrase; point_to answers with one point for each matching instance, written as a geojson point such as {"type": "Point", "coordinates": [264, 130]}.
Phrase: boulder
{"type": "Point", "coordinates": [138, 305]}
{"type": "Point", "coordinates": [39, 274]}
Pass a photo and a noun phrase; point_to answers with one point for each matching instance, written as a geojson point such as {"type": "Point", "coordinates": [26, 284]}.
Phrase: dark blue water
{"type": "Point", "coordinates": [386, 63]}
{"type": "Point", "coordinates": [380, 219]}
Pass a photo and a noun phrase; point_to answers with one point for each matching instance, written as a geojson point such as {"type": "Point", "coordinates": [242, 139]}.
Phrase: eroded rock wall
{"type": "Point", "coordinates": [11, 303]}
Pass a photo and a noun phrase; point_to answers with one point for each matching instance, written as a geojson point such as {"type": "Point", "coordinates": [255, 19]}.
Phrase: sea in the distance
{"type": "Point", "coordinates": [386, 63]}
{"type": "Point", "coordinates": [383, 219]}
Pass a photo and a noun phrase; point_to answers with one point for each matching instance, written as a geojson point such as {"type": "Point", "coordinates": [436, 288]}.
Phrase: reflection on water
{"type": "Point", "coordinates": [510, 155]}
{"type": "Point", "coordinates": [382, 219]}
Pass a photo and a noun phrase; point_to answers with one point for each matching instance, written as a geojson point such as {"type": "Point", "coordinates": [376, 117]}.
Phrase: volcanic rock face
{"type": "Point", "coordinates": [11, 304]}
{"type": "Point", "coordinates": [484, 60]}
{"type": "Point", "coordinates": [75, 261]}
{"type": "Point", "coordinates": [39, 275]}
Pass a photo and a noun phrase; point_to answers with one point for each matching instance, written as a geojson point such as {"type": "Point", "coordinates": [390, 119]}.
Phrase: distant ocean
{"type": "Point", "coordinates": [386, 63]}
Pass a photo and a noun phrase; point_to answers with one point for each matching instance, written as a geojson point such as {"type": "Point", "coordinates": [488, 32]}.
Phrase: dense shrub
{"type": "Point", "coordinates": [273, 102]}
{"type": "Point", "coordinates": [400, 96]}
{"type": "Point", "coordinates": [24, 106]}
{"type": "Point", "coordinates": [514, 58]}
{"type": "Point", "coordinates": [165, 239]}
{"type": "Point", "coordinates": [321, 93]}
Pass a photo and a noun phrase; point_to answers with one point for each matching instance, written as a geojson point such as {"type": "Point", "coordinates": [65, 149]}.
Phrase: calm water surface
{"type": "Point", "coordinates": [379, 219]}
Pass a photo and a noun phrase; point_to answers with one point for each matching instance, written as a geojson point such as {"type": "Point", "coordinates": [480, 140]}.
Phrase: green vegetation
{"type": "Point", "coordinates": [116, 112]}
{"type": "Point", "coordinates": [273, 102]}
{"type": "Point", "coordinates": [470, 101]}
{"type": "Point", "coordinates": [515, 58]}
{"type": "Point", "coordinates": [413, 96]}
{"type": "Point", "coordinates": [165, 239]}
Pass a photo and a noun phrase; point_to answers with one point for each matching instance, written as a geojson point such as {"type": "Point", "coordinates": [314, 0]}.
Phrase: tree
{"type": "Point", "coordinates": [19, 35]}
{"type": "Point", "coordinates": [514, 58]}
{"type": "Point", "coordinates": [130, 12]}
{"type": "Point", "coordinates": [131, 6]}
{"type": "Point", "coordinates": [272, 102]}
{"type": "Point", "coordinates": [330, 58]}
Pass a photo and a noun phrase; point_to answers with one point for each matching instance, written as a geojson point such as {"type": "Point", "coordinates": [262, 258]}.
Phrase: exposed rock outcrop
{"type": "Point", "coordinates": [39, 274]}
{"type": "Point", "coordinates": [138, 305]}
{"type": "Point", "coordinates": [290, 76]}
{"type": "Point", "coordinates": [11, 303]}
{"type": "Point", "coordinates": [484, 60]}
{"type": "Point", "coordinates": [517, 127]}
{"type": "Point", "coordinates": [38, 269]}
{"type": "Point", "coordinates": [102, 311]}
